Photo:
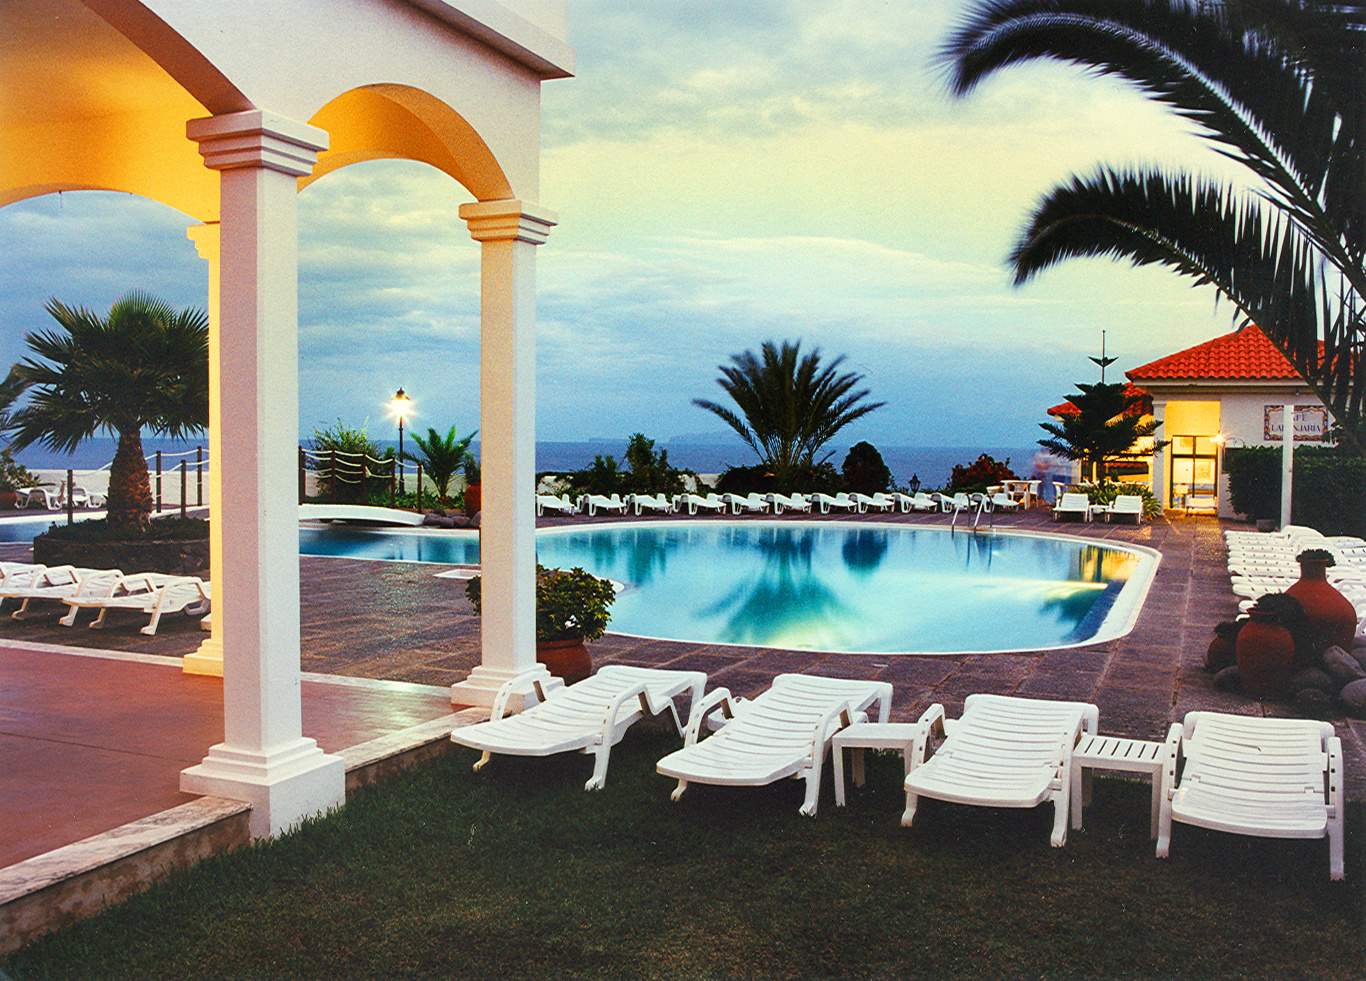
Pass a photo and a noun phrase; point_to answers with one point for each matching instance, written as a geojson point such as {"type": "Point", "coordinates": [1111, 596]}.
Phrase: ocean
{"type": "Point", "coordinates": [931, 464]}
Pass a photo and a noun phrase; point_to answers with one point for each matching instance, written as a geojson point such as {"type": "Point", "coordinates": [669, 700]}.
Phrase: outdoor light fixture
{"type": "Point", "coordinates": [400, 405]}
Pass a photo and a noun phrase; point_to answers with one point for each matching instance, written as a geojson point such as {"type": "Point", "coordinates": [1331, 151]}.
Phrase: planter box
{"type": "Point", "coordinates": [189, 557]}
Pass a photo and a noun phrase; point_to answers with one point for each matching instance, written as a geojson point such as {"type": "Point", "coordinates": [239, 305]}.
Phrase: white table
{"type": "Point", "coordinates": [1113, 753]}
{"type": "Point", "coordinates": [869, 735]}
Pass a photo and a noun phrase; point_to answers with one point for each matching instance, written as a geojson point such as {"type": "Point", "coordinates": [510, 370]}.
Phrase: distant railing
{"type": "Point", "coordinates": [348, 477]}
{"type": "Point", "coordinates": [157, 471]}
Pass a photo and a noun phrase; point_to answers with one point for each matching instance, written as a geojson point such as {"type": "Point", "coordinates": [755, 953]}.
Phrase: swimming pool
{"type": "Point", "coordinates": [24, 528]}
{"type": "Point", "coordinates": [850, 587]}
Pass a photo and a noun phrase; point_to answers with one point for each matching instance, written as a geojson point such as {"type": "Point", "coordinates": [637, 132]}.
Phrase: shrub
{"type": "Point", "coordinates": [978, 476]}
{"type": "Point", "coordinates": [161, 530]}
{"type": "Point", "coordinates": [1106, 494]}
{"type": "Point", "coordinates": [569, 604]}
{"type": "Point", "coordinates": [1254, 481]}
{"type": "Point", "coordinates": [358, 462]}
{"type": "Point", "coordinates": [1330, 491]}
{"type": "Point", "coordinates": [650, 471]}
{"type": "Point", "coordinates": [864, 470]}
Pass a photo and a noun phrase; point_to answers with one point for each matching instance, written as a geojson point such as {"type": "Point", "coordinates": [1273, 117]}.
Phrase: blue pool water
{"type": "Point", "coordinates": [850, 587]}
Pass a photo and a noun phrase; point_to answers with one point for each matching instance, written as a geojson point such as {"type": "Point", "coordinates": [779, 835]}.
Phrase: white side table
{"type": "Point", "coordinates": [869, 735]}
{"type": "Point", "coordinates": [1113, 753]}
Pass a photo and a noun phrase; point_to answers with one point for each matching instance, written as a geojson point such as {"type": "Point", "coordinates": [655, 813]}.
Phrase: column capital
{"type": "Point", "coordinates": [256, 138]}
{"type": "Point", "coordinates": [520, 221]}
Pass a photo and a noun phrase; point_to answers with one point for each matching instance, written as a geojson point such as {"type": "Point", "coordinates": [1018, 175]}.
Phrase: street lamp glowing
{"type": "Point", "coordinates": [400, 405]}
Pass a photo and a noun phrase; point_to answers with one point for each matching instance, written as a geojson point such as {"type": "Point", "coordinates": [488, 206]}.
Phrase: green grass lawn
{"type": "Point", "coordinates": [516, 872]}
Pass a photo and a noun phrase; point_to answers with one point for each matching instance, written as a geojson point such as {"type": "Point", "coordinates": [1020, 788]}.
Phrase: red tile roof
{"type": "Point", "coordinates": [1144, 408]}
{"type": "Point", "coordinates": [1244, 354]}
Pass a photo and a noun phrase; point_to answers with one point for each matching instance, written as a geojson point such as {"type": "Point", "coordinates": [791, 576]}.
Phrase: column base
{"type": "Point", "coordinates": [282, 788]}
{"type": "Point", "coordinates": [208, 660]}
{"type": "Point", "coordinates": [482, 685]}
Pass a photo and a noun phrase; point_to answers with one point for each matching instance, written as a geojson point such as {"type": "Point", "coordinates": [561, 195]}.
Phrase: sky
{"type": "Point", "coordinates": [725, 173]}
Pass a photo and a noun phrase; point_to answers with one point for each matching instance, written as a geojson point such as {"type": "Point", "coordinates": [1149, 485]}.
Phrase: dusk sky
{"type": "Point", "coordinates": [725, 174]}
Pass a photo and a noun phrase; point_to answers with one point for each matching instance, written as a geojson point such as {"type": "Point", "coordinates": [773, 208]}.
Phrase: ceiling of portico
{"type": "Point", "coordinates": [82, 106]}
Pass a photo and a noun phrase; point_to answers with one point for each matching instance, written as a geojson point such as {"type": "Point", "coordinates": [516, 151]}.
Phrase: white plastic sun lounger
{"type": "Point", "coordinates": [694, 501]}
{"type": "Point", "coordinates": [840, 500]}
{"type": "Point", "coordinates": [1272, 778]}
{"type": "Point", "coordinates": [865, 501]}
{"type": "Point", "coordinates": [590, 716]}
{"type": "Point", "coordinates": [1073, 504]}
{"type": "Point", "coordinates": [58, 583]}
{"type": "Point", "coordinates": [655, 502]}
{"type": "Point", "coordinates": [793, 502]}
{"type": "Point", "coordinates": [144, 592]}
{"type": "Point", "coordinates": [919, 501]}
{"type": "Point", "coordinates": [747, 502]}
{"type": "Point", "coordinates": [562, 503]}
{"type": "Point", "coordinates": [1125, 506]}
{"type": "Point", "coordinates": [1003, 502]}
{"type": "Point", "coordinates": [1003, 752]}
{"type": "Point", "coordinates": [19, 573]}
{"type": "Point", "coordinates": [784, 732]}
{"type": "Point", "coordinates": [589, 503]}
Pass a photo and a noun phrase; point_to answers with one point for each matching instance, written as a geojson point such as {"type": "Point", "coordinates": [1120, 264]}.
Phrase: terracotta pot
{"type": "Point", "coordinates": [567, 659]}
{"type": "Point", "coordinates": [1266, 656]}
{"type": "Point", "coordinates": [8, 500]}
{"type": "Point", "coordinates": [474, 499]}
{"type": "Point", "coordinates": [1222, 651]}
{"type": "Point", "coordinates": [1329, 617]}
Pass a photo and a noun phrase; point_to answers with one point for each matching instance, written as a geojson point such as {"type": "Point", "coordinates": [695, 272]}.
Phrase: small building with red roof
{"type": "Point", "coordinates": [1229, 391]}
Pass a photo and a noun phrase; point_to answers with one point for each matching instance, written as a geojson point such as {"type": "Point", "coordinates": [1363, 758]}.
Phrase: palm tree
{"type": "Point", "coordinates": [1105, 427]}
{"type": "Point", "coordinates": [791, 405]}
{"type": "Point", "coordinates": [1276, 85]}
{"type": "Point", "coordinates": [144, 366]}
{"type": "Point", "coordinates": [441, 456]}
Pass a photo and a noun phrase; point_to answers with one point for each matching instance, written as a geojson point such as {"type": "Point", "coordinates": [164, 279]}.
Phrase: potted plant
{"type": "Point", "coordinates": [571, 608]}
{"type": "Point", "coordinates": [474, 492]}
{"type": "Point", "coordinates": [13, 476]}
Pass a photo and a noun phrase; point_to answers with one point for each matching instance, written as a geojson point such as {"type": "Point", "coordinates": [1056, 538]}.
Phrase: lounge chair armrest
{"type": "Point", "coordinates": [1171, 753]}
{"type": "Point", "coordinates": [1335, 798]}
{"type": "Point", "coordinates": [845, 714]}
{"type": "Point", "coordinates": [700, 709]}
{"type": "Point", "coordinates": [931, 718]}
{"type": "Point", "coordinates": [527, 681]}
{"type": "Point", "coordinates": [639, 691]}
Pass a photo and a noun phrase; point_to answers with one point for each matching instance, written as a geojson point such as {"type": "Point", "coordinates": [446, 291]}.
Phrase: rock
{"type": "Point", "coordinates": [438, 521]}
{"type": "Point", "coordinates": [1312, 702]}
{"type": "Point", "coordinates": [1353, 696]}
{"type": "Point", "coordinates": [1229, 679]}
{"type": "Point", "coordinates": [1342, 665]}
{"type": "Point", "coordinates": [1314, 678]}
{"type": "Point", "coordinates": [1360, 654]}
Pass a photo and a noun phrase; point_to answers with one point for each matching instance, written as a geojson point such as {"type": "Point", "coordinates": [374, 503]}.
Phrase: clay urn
{"type": "Point", "coordinates": [1329, 618]}
{"type": "Point", "coordinates": [1265, 649]}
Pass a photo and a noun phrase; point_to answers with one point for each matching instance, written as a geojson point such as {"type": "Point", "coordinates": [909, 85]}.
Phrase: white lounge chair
{"type": "Point", "coordinates": [1003, 752]}
{"type": "Point", "coordinates": [747, 502]}
{"type": "Point", "coordinates": [694, 501]}
{"type": "Point", "coordinates": [655, 502]}
{"type": "Point", "coordinates": [953, 502]}
{"type": "Point", "coordinates": [144, 592]}
{"type": "Point", "coordinates": [793, 502]}
{"type": "Point", "coordinates": [1126, 506]}
{"type": "Point", "coordinates": [561, 503]}
{"type": "Point", "coordinates": [1004, 502]}
{"type": "Point", "coordinates": [589, 503]}
{"type": "Point", "coordinates": [58, 583]}
{"type": "Point", "coordinates": [880, 501]}
{"type": "Point", "coordinates": [1077, 505]}
{"type": "Point", "coordinates": [590, 716]}
{"type": "Point", "coordinates": [1273, 778]}
{"type": "Point", "coordinates": [19, 573]}
{"type": "Point", "coordinates": [919, 501]}
{"type": "Point", "coordinates": [784, 732]}
{"type": "Point", "coordinates": [828, 501]}
{"type": "Point", "coordinates": [48, 497]}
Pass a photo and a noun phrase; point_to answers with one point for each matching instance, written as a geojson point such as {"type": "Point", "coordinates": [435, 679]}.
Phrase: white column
{"type": "Point", "coordinates": [264, 758]}
{"type": "Point", "coordinates": [508, 233]}
{"type": "Point", "coordinates": [1287, 460]}
{"type": "Point", "coordinates": [208, 659]}
{"type": "Point", "coordinates": [1161, 486]}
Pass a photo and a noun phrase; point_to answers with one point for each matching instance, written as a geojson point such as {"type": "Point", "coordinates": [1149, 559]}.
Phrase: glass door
{"type": "Point", "coordinates": [1195, 468]}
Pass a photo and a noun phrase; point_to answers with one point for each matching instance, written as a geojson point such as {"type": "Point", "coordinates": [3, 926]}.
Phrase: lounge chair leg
{"type": "Point", "coordinates": [1335, 864]}
{"type": "Point", "coordinates": [482, 760]}
{"type": "Point", "coordinates": [599, 778]}
{"type": "Point", "coordinates": [813, 792]}
{"type": "Point", "coordinates": [1060, 820]}
{"type": "Point", "coordinates": [908, 815]}
{"type": "Point", "coordinates": [678, 791]}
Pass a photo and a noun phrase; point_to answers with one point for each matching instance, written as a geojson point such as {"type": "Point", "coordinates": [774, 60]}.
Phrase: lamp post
{"type": "Point", "coordinates": [400, 404]}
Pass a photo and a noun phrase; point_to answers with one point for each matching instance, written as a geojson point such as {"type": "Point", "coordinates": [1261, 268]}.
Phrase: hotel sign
{"type": "Point", "coordinates": [1309, 423]}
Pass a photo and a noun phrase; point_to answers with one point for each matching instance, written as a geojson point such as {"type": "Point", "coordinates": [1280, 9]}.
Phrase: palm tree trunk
{"type": "Point", "coordinates": [130, 492]}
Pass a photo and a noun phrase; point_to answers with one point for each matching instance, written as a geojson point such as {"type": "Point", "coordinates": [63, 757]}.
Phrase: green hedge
{"type": "Point", "coordinates": [1330, 487]}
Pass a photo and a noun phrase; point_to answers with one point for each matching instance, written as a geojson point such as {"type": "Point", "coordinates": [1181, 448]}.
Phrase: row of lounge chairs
{"type": "Point", "coordinates": [1268, 777]}
{"type": "Point", "coordinates": [1262, 562]}
{"type": "Point", "coordinates": [1079, 506]}
{"type": "Point", "coordinates": [590, 504]}
{"type": "Point", "coordinates": [52, 499]}
{"type": "Point", "coordinates": [102, 590]}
